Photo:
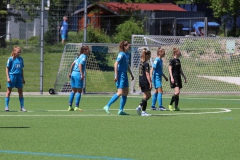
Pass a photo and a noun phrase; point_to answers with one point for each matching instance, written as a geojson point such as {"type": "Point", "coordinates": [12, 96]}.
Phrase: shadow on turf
{"type": "Point", "coordinates": [10, 111]}
{"type": "Point", "coordinates": [14, 127]}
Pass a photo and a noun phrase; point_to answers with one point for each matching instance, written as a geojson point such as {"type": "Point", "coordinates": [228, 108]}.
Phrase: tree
{"type": "Point", "coordinates": [229, 9]}
{"type": "Point", "coordinates": [3, 15]}
{"type": "Point", "coordinates": [15, 5]}
{"type": "Point", "coordinates": [127, 29]}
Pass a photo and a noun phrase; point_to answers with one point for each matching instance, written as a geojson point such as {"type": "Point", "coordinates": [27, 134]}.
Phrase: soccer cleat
{"type": "Point", "coordinates": [153, 108]}
{"type": "Point", "coordinates": [161, 108]}
{"type": "Point", "coordinates": [106, 108]}
{"type": "Point", "coordinates": [77, 109]}
{"type": "Point", "coordinates": [6, 109]}
{"type": "Point", "coordinates": [138, 109]}
{"type": "Point", "coordinates": [145, 114]}
{"type": "Point", "coordinates": [23, 110]}
{"type": "Point", "coordinates": [177, 109]}
{"type": "Point", "coordinates": [122, 113]}
{"type": "Point", "coordinates": [70, 108]}
{"type": "Point", "coordinates": [170, 107]}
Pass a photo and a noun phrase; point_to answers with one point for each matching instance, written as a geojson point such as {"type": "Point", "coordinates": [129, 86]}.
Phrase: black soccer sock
{"type": "Point", "coordinates": [140, 104]}
{"type": "Point", "coordinates": [144, 104]}
{"type": "Point", "coordinates": [176, 101]}
{"type": "Point", "coordinates": [172, 100]}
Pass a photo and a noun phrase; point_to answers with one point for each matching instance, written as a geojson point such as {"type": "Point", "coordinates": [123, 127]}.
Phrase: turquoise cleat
{"type": "Point", "coordinates": [122, 113]}
{"type": "Point", "coordinates": [106, 108]}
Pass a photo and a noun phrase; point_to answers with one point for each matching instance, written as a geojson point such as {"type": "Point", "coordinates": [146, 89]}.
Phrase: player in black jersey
{"type": "Point", "coordinates": [175, 72]}
{"type": "Point", "coordinates": [144, 82]}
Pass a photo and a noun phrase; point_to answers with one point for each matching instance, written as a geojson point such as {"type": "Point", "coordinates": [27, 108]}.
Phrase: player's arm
{"type": "Point", "coordinates": [116, 71]}
{"type": "Point", "coordinates": [151, 73]}
{"type": "Point", "coordinates": [170, 73]}
{"type": "Point", "coordinates": [71, 67]}
{"type": "Point", "coordinates": [149, 79]}
{"type": "Point", "coordinates": [165, 77]}
{"type": "Point", "coordinates": [23, 80]}
{"type": "Point", "coordinates": [7, 74]}
{"type": "Point", "coordinates": [181, 72]}
{"type": "Point", "coordinates": [80, 66]}
{"type": "Point", "coordinates": [129, 70]}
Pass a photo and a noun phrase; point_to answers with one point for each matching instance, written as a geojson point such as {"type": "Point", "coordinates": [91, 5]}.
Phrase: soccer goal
{"type": "Point", "coordinates": [209, 63]}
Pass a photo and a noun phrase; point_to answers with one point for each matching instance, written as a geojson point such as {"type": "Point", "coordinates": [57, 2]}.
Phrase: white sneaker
{"type": "Point", "coordinates": [138, 109]}
{"type": "Point", "coordinates": [23, 110]}
{"type": "Point", "coordinates": [145, 114]}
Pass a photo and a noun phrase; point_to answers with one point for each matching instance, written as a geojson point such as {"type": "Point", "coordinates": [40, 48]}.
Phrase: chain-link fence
{"type": "Point", "coordinates": [21, 26]}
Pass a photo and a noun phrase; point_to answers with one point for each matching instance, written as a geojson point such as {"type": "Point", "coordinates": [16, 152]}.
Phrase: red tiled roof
{"type": "Point", "coordinates": [143, 6]}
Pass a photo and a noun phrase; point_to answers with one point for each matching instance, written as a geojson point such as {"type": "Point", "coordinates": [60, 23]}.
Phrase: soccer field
{"type": "Point", "coordinates": [207, 127]}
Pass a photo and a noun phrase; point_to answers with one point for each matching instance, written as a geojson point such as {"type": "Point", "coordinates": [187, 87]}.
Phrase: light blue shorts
{"type": "Point", "coordinates": [157, 82]}
{"type": "Point", "coordinates": [16, 81]}
{"type": "Point", "coordinates": [122, 81]}
{"type": "Point", "coordinates": [76, 81]}
{"type": "Point", "coordinates": [64, 37]}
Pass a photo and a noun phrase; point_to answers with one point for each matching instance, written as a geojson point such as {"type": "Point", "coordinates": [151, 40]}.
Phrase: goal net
{"type": "Point", "coordinates": [209, 63]}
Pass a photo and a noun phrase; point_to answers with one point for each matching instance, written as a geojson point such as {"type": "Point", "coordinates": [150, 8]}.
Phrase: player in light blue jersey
{"type": "Point", "coordinates": [157, 73]}
{"type": "Point", "coordinates": [15, 78]}
{"type": "Point", "coordinates": [121, 66]}
{"type": "Point", "coordinates": [77, 76]}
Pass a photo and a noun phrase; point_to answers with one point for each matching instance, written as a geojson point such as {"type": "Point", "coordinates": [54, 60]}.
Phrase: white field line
{"type": "Point", "coordinates": [222, 110]}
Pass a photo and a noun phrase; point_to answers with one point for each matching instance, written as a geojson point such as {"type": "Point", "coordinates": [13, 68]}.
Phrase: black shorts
{"type": "Point", "coordinates": [145, 88]}
{"type": "Point", "coordinates": [177, 82]}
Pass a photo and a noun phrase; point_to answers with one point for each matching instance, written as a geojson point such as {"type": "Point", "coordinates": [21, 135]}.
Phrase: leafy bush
{"type": "Point", "coordinates": [126, 29]}
{"type": "Point", "coordinates": [75, 37]}
{"type": "Point", "coordinates": [16, 41]}
{"type": "Point", "coordinates": [96, 35]}
{"type": "Point", "coordinates": [34, 40]}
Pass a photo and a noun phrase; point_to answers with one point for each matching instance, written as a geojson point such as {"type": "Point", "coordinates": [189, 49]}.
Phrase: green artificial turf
{"type": "Point", "coordinates": [207, 127]}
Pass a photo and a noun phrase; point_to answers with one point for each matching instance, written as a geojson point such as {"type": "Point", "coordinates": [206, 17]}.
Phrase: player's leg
{"type": "Point", "coordinates": [123, 101]}
{"type": "Point", "coordinates": [154, 99]}
{"type": "Point", "coordinates": [125, 90]}
{"type": "Point", "coordinates": [63, 38]}
{"type": "Point", "coordinates": [172, 85]}
{"type": "Point", "coordinates": [119, 85]}
{"type": "Point", "coordinates": [10, 85]}
{"type": "Point", "coordinates": [73, 92]}
{"type": "Point", "coordinates": [159, 99]}
{"type": "Point", "coordinates": [19, 86]}
{"type": "Point", "coordinates": [146, 96]}
{"type": "Point", "coordinates": [176, 98]}
{"type": "Point", "coordinates": [7, 98]}
{"type": "Point", "coordinates": [78, 98]}
{"type": "Point", "coordinates": [21, 99]}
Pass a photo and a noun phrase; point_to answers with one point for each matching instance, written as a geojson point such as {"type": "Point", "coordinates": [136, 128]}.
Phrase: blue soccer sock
{"type": "Point", "coordinates": [112, 100]}
{"type": "Point", "coordinates": [7, 99]}
{"type": "Point", "coordinates": [71, 97]}
{"type": "Point", "coordinates": [122, 102]}
{"type": "Point", "coordinates": [154, 99]}
{"type": "Point", "coordinates": [21, 100]}
{"type": "Point", "coordinates": [159, 98]}
{"type": "Point", "coordinates": [78, 99]}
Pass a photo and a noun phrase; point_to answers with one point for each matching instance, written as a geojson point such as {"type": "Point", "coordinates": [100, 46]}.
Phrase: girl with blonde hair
{"type": "Point", "coordinates": [15, 77]}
